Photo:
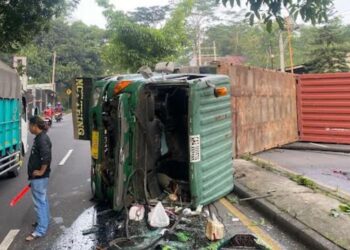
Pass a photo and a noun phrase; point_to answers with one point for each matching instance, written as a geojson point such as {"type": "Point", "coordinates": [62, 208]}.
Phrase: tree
{"type": "Point", "coordinates": [329, 51]}
{"type": "Point", "coordinates": [132, 45]}
{"type": "Point", "coordinates": [78, 52]}
{"type": "Point", "coordinates": [308, 11]}
{"type": "Point", "coordinates": [254, 43]}
{"type": "Point", "coordinates": [21, 20]}
{"type": "Point", "coordinates": [149, 16]}
{"type": "Point", "coordinates": [199, 20]}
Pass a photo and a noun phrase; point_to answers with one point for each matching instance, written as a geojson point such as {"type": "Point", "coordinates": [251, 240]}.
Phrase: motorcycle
{"type": "Point", "coordinates": [58, 116]}
{"type": "Point", "coordinates": [48, 121]}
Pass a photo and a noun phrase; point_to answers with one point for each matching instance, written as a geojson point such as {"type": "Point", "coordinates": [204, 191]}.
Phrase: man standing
{"type": "Point", "coordinates": [38, 175]}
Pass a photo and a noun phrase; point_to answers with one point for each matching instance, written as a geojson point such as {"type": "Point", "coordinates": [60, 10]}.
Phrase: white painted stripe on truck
{"type": "Point", "coordinates": [6, 243]}
{"type": "Point", "coordinates": [65, 158]}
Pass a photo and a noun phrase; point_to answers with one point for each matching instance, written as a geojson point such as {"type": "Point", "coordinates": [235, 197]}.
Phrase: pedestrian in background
{"type": "Point", "coordinates": [38, 175]}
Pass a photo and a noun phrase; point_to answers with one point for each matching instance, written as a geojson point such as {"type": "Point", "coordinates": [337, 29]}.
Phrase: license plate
{"type": "Point", "coordinates": [94, 144]}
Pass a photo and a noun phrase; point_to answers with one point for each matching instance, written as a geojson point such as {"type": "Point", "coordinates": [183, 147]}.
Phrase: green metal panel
{"type": "Point", "coordinates": [10, 132]}
{"type": "Point", "coordinates": [211, 167]}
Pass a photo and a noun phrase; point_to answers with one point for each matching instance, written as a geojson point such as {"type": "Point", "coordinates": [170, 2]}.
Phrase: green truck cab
{"type": "Point", "coordinates": [152, 138]}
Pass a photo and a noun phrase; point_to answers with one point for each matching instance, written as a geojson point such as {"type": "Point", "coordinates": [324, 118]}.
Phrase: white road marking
{"type": "Point", "coordinates": [5, 244]}
{"type": "Point", "coordinates": [65, 158]}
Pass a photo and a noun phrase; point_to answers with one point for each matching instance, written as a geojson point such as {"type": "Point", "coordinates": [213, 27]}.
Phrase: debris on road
{"type": "Point", "coordinates": [334, 213]}
{"type": "Point", "coordinates": [137, 213]}
{"type": "Point", "coordinates": [158, 217]}
{"type": "Point", "coordinates": [215, 230]}
{"type": "Point", "coordinates": [342, 173]}
{"type": "Point", "coordinates": [234, 219]}
{"type": "Point", "coordinates": [90, 230]}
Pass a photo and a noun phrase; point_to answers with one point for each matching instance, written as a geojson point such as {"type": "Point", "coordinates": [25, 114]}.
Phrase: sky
{"type": "Point", "coordinates": [91, 14]}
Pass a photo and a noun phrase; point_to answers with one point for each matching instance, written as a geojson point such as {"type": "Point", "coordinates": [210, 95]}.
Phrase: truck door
{"type": "Point", "coordinates": [210, 140]}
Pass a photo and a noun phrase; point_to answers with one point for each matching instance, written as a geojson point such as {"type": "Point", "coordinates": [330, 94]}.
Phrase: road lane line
{"type": "Point", "coordinates": [5, 244]}
{"type": "Point", "coordinates": [250, 225]}
{"type": "Point", "coordinates": [65, 158]}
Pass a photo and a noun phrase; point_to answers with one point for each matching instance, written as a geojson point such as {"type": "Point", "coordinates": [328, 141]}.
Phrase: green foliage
{"type": "Point", "coordinates": [345, 208]}
{"type": "Point", "coordinates": [329, 50]}
{"type": "Point", "coordinates": [21, 20]}
{"type": "Point", "coordinates": [240, 39]}
{"type": "Point", "coordinates": [132, 45]}
{"type": "Point", "coordinates": [303, 181]}
{"type": "Point", "coordinates": [149, 16]}
{"type": "Point", "coordinates": [198, 22]}
{"type": "Point", "coordinates": [78, 52]}
{"type": "Point", "coordinates": [268, 10]}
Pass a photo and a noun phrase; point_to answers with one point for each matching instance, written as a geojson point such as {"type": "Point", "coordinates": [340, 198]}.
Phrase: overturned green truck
{"type": "Point", "coordinates": [168, 137]}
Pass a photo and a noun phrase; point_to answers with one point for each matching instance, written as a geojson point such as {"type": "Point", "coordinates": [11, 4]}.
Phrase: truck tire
{"type": "Point", "coordinates": [13, 173]}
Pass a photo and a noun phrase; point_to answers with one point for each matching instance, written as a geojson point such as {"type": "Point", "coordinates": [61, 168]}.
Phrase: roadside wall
{"type": "Point", "coordinates": [264, 108]}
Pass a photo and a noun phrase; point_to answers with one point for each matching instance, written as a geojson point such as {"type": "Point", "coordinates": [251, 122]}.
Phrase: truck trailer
{"type": "Point", "coordinates": [13, 141]}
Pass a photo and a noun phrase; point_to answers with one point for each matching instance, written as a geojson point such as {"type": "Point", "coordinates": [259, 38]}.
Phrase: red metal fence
{"type": "Point", "coordinates": [324, 107]}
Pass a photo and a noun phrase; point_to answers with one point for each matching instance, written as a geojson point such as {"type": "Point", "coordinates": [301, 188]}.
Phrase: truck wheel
{"type": "Point", "coordinates": [13, 173]}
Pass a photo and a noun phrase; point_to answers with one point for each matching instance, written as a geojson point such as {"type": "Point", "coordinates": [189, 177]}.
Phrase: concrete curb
{"type": "Point", "coordinates": [287, 223]}
{"type": "Point", "coordinates": [316, 148]}
{"type": "Point", "coordinates": [337, 194]}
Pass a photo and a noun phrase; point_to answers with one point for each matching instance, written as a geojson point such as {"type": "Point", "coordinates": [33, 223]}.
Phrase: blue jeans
{"type": "Point", "coordinates": [41, 205]}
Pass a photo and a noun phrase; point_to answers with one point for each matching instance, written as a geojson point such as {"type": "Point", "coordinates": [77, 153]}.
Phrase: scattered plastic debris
{"type": "Point", "coordinates": [215, 229]}
{"type": "Point", "coordinates": [235, 219]}
{"type": "Point", "coordinates": [158, 217]}
{"type": "Point", "coordinates": [189, 212]}
{"type": "Point", "coordinates": [334, 213]}
{"type": "Point", "coordinates": [137, 213]}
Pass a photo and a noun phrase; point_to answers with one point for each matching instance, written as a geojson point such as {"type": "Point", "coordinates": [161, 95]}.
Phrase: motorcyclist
{"type": "Point", "coordinates": [48, 112]}
{"type": "Point", "coordinates": [59, 108]}
{"type": "Point", "coordinates": [58, 112]}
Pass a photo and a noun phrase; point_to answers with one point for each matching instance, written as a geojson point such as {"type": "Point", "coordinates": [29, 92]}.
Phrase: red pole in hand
{"type": "Point", "coordinates": [19, 196]}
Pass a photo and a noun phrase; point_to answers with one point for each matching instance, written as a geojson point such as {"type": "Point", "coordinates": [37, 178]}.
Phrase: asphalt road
{"type": "Point", "coordinates": [69, 191]}
{"type": "Point", "coordinates": [329, 168]}
{"type": "Point", "coordinates": [72, 211]}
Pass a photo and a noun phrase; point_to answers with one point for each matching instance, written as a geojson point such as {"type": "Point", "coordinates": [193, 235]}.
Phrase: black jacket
{"type": "Point", "coordinates": [40, 155]}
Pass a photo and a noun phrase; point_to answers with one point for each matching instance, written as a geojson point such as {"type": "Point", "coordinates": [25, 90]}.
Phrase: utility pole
{"type": "Point", "coordinates": [34, 99]}
{"type": "Point", "coordinates": [272, 56]}
{"type": "Point", "coordinates": [288, 22]}
{"type": "Point", "coordinates": [53, 76]}
{"type": "Point", "coordinates": [281, 46]}
{"type": "Point", "coordinates": [214, 49]}
{"type": "Point", "coordinates": [199, 54]}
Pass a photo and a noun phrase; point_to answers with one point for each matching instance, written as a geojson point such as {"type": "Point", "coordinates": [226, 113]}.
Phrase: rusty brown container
{"type": "Point", "coordinates": [264, 108]}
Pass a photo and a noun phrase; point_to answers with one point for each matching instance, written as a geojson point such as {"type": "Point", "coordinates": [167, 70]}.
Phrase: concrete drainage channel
{"type": "Point", "coordinates": [285, 222]}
